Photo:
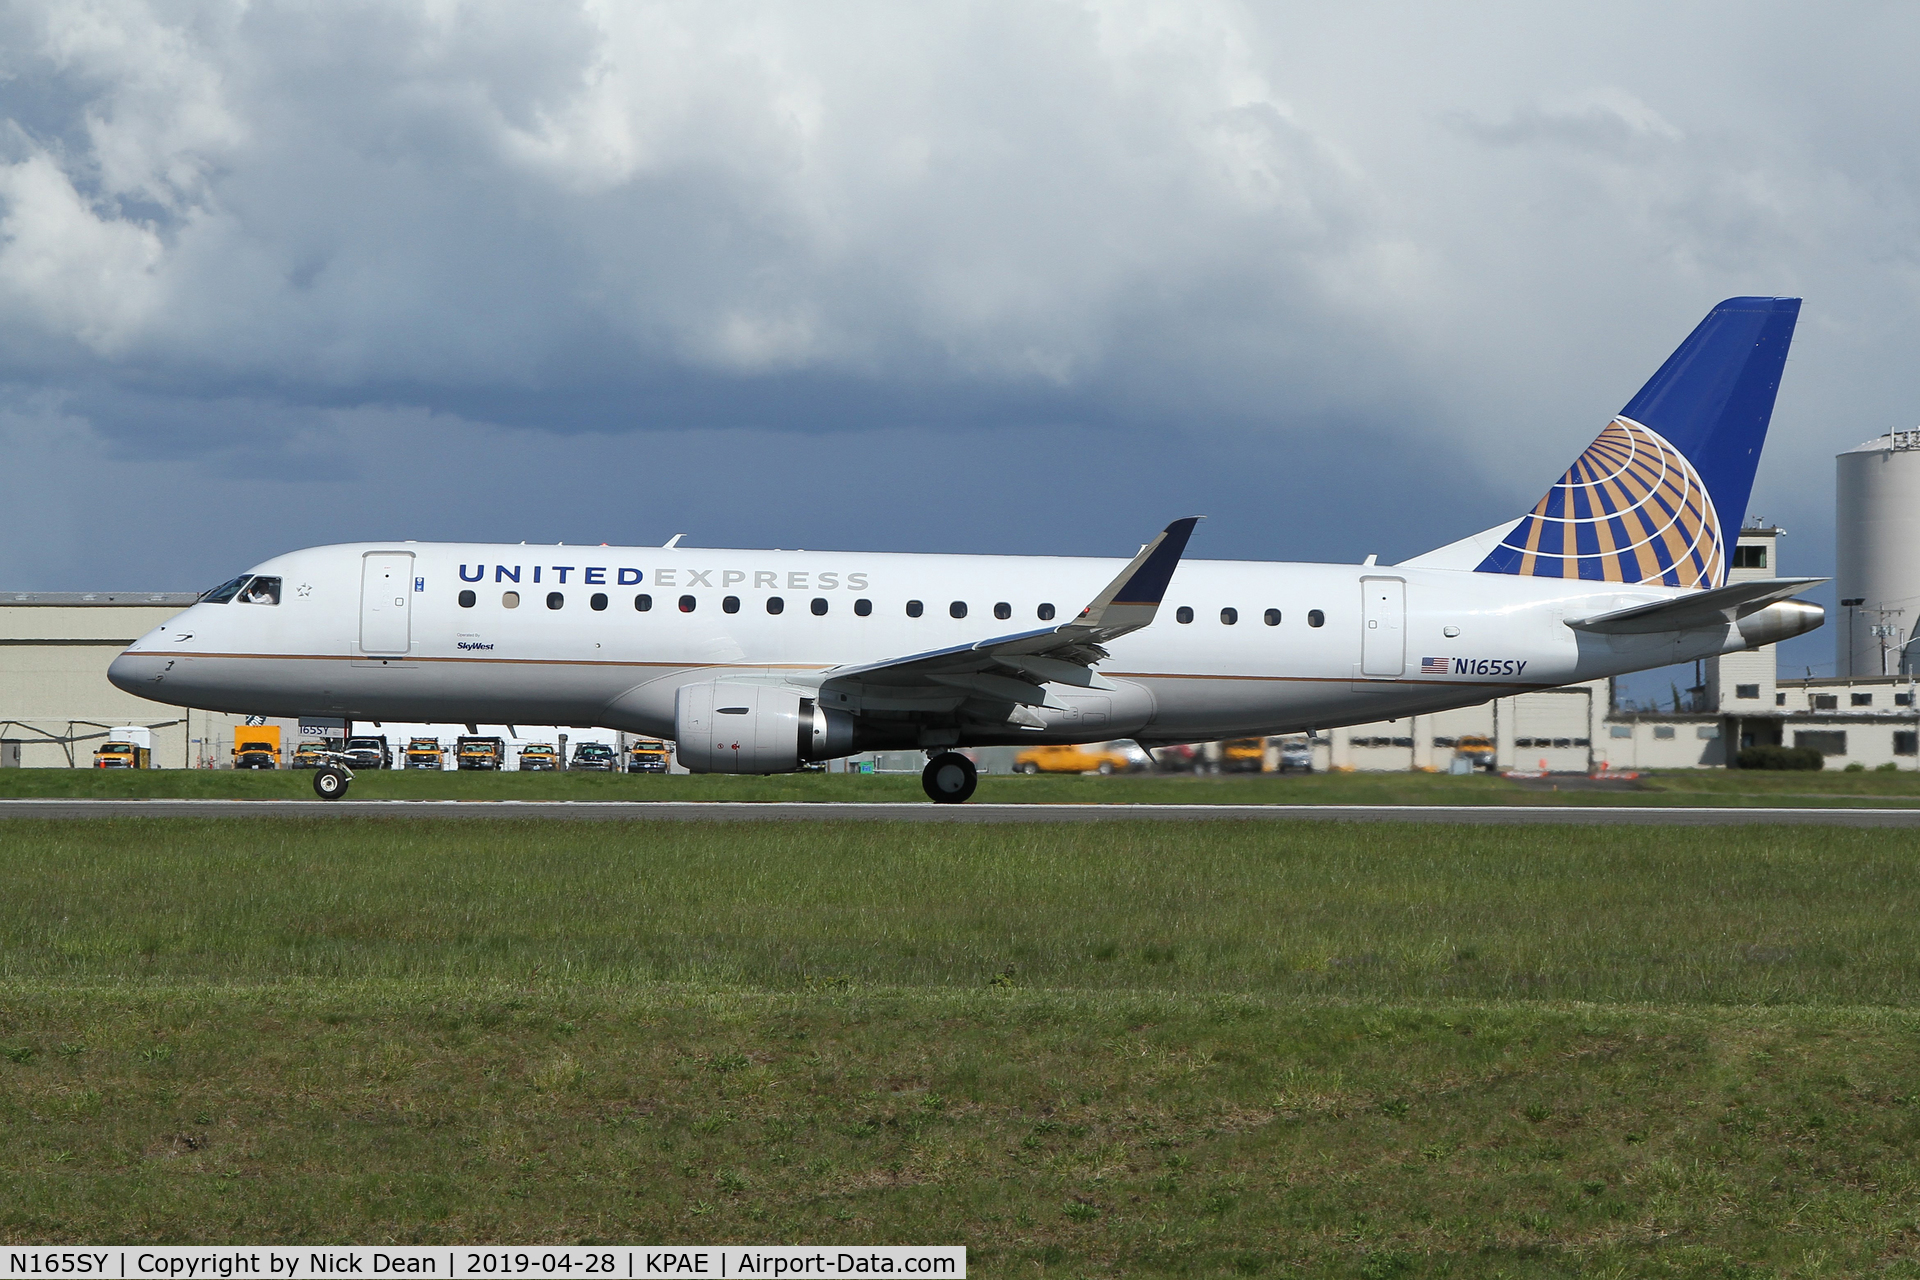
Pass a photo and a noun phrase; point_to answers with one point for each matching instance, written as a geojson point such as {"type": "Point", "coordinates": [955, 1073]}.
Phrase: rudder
{"type": "Point", "coordinates": [1656, 497]}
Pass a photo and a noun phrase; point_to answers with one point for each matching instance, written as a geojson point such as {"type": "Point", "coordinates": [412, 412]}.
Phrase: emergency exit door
{"type": "Point", "coordinates": [1383, 619]}
{"type": "Point", "coordinates": [386, 602]}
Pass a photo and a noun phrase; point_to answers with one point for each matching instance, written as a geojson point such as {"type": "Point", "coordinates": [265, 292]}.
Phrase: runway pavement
{"type": "Point", "coordinates": [709, 811]}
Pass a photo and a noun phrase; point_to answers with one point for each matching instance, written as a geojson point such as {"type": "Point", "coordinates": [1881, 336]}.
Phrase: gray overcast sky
{"type": "Point", "coordinates": [985, 277]}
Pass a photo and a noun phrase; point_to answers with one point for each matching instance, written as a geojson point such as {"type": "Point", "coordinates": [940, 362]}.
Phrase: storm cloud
{"type": "Point", "coordinates": [1032, 276]}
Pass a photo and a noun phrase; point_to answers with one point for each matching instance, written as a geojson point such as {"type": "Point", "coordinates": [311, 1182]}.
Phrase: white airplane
{"type": "Point", "coordinates": [760, 661]}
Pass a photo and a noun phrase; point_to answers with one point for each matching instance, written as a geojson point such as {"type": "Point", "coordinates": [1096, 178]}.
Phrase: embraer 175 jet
{"type": "Point", "coordinates": [760, 661]}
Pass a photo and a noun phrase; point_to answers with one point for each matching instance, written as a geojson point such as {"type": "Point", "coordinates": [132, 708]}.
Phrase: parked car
{"type": "Point", "coordinates": [1477, 749]}
{"type": "Point", "coordinates": [597, 756]}
{"type": "Point", "coordinates": [1181, 757]}
{"type": "Point", "coordinates": [369, 753]}
{"type": "Point", "coordinates": [1066, 757]}
{"type": "Point", "coordinates": [648, 755]}
{"type": "Point", "coordinates": [426, 753]}
{"type": "Point", "coordinates": [539, 757]}
{"type": "Point", "coordinates": [1296, 755]}
{"type": "Point", "coordinates": [1243, 755]}
{"type": "Point", "coordinates": [309, 755]}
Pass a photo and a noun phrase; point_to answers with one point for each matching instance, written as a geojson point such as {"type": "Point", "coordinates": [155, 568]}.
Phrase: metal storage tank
{"type": "Point", "coordinates": [1877, 547]}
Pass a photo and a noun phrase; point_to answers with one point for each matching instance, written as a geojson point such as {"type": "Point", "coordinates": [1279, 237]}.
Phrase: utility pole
{"type": "Point", "coordinates": [1884, 631]}
{"type": "Point", "coordinates": [1850, 606]}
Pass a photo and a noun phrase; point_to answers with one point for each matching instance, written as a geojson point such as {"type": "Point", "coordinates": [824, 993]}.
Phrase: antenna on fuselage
{"type": "Point", "coordinates": [672, 542]}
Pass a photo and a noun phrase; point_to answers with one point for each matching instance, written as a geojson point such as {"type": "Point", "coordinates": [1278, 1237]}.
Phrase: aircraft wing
{"type": "Point", "coordinates": [1015, 668]}
{"type": "Point", "coordinates": [1714, 608]}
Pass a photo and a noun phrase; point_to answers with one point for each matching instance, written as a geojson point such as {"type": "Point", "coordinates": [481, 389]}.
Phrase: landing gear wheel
{"type": "Point", "coordinates": [949, 778]}
{"type": "Point", "coordinates": [329, 784]}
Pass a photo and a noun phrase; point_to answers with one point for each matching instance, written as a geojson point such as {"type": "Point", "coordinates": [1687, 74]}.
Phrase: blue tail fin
{"type": "Point", "coordinates": [1660, 495]}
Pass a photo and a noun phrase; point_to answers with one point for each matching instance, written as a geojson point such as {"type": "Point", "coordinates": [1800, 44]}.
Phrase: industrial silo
{"type": "Point", "coordinates": [1878, 552]}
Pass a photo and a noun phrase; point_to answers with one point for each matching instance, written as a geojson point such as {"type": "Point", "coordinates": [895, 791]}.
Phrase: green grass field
{"type": "Point", "coordinates": [1680, 787]}
{"type": "Point", "coordinates": [1209, 1049]}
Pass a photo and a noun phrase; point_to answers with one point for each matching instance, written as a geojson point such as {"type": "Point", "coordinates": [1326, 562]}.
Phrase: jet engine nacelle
{"type": "Point", "coordinates": [724, 727]}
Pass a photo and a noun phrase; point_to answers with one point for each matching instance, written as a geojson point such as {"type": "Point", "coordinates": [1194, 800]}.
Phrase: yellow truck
{"type": "Point", "coordinates": [539, 757]}
{"type": "Point", "coordinates": [123, 750]}
{"type": "Point", "coordinates": [256, 746]}
{"type": "Point", "coordinates": [1243, 755]}
{"type": "Point", "coordinates": [425, 753]}
{"type": "Point", "coordinates": [1067, 757]}
{"type": "Point", "coordinates": [648, 755]}
{"type": "Point", "coordinates": [480, 753]}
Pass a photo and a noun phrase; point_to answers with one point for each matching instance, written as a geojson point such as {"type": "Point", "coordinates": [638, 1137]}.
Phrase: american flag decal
{"type": "Point", "coordinates": [1433, 666]}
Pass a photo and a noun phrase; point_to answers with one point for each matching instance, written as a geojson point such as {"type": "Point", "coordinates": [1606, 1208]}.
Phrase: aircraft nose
{"type": "Point", "coordinates": [135, 672]}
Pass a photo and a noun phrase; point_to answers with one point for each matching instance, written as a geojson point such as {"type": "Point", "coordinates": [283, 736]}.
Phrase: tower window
{"type": "Point", "coordinates": [1749, 557]}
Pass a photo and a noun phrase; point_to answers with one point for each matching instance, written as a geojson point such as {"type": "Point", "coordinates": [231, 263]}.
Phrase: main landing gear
{"type": "Point", "coordinates": [949, 778]}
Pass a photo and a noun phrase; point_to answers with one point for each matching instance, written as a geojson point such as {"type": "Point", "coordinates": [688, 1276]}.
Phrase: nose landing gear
{"type": "Point", "coordinates": [949, 778]}
{"type": "Point", "coordinates": [330, 780]}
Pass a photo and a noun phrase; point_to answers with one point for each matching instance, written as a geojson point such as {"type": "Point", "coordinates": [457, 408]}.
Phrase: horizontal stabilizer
{"type": "Point", "coordinates": [1699, 610]}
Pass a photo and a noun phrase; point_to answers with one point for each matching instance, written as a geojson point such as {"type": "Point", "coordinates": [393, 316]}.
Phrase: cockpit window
{"type": "Point", "coordinates": [261, 590]}
{"type": "Point", "coordinates": [225, 591]}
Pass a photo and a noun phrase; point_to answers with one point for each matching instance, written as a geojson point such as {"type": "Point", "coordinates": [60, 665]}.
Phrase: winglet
{"type": "Point", "coordinates": [1131, 600]}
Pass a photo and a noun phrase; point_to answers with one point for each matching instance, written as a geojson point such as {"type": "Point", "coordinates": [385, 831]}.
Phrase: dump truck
{"type": "Point", "coordinates": [256, 746]}
{"type": "Point", "coordinates": [426, 753]}
{"type": "Point", "coordinates": [128, 747]}
{"type": "Point", "coordinates": [480, 753]}
{"type": "Point", "coordinates": [648, 755]}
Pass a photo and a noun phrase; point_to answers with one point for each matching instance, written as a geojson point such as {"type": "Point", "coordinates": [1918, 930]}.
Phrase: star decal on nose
{"type": "Point", "coordinates": [304, 590]}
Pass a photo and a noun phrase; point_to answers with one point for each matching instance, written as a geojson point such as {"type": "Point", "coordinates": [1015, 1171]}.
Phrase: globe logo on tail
{"type": "Point", "coordinates": [1631, 509]}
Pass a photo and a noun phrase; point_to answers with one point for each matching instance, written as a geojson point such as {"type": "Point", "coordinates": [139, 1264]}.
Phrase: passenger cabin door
{"type": "Point", "coordinates": [1383, 621]}
{"type": "Point", "coordinates": [386, 602]}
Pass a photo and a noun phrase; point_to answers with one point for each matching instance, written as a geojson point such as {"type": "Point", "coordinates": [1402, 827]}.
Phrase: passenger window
{"type": "Point", "coordinates": [1315, 618]}
{"type": "Point", "coordinates": [468, 599]}
{"type": "Point", "coordinates": [686, 604]}
{"type": "Point", "coordinates": [225, 591]}
{"type": "Point", "coordinates": [1183, 614]}
{"type": "Point", "coordinates": [819, 606]}
{"type": "Point", "coordinates": [730, 605]}
{"type": "Point", "coordinates": [1273, 617]}
{"type": "Point", "coordinates": [1046, 612]}
{"type": "Point", "coordinates": [555, 599]}
{"type": "Point", "coordinates": [599, 602]}
{"type": "Point", "coordinates": [1229, 616]}
{"type": "Point", "coordinates": [915, 608]}
{"type": "Point", "coordinates": [1003, 611]}
{"type": "Point", "coordinates": [863, 607]}
{"type": "Point", "coordinates": [776, 605]}
{"type": "Point", "coordinates": [509, 599]}
{"type": "Point", "coordinates": [641, 603]}
{"type": "Point", "coordinates": [261, 590]}
{"type": "Point", "coordinates": [958, 609]}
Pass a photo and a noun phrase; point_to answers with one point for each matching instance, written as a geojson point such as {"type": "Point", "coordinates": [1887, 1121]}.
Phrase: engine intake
{"type": "Point", "coordinates": [722, 727]}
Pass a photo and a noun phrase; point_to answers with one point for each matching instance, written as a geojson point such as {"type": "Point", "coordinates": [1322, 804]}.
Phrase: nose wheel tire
{"type": "Point", "coordinates": [329, 784]}
{"type": "Point", "coordinates": [949, 778]}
